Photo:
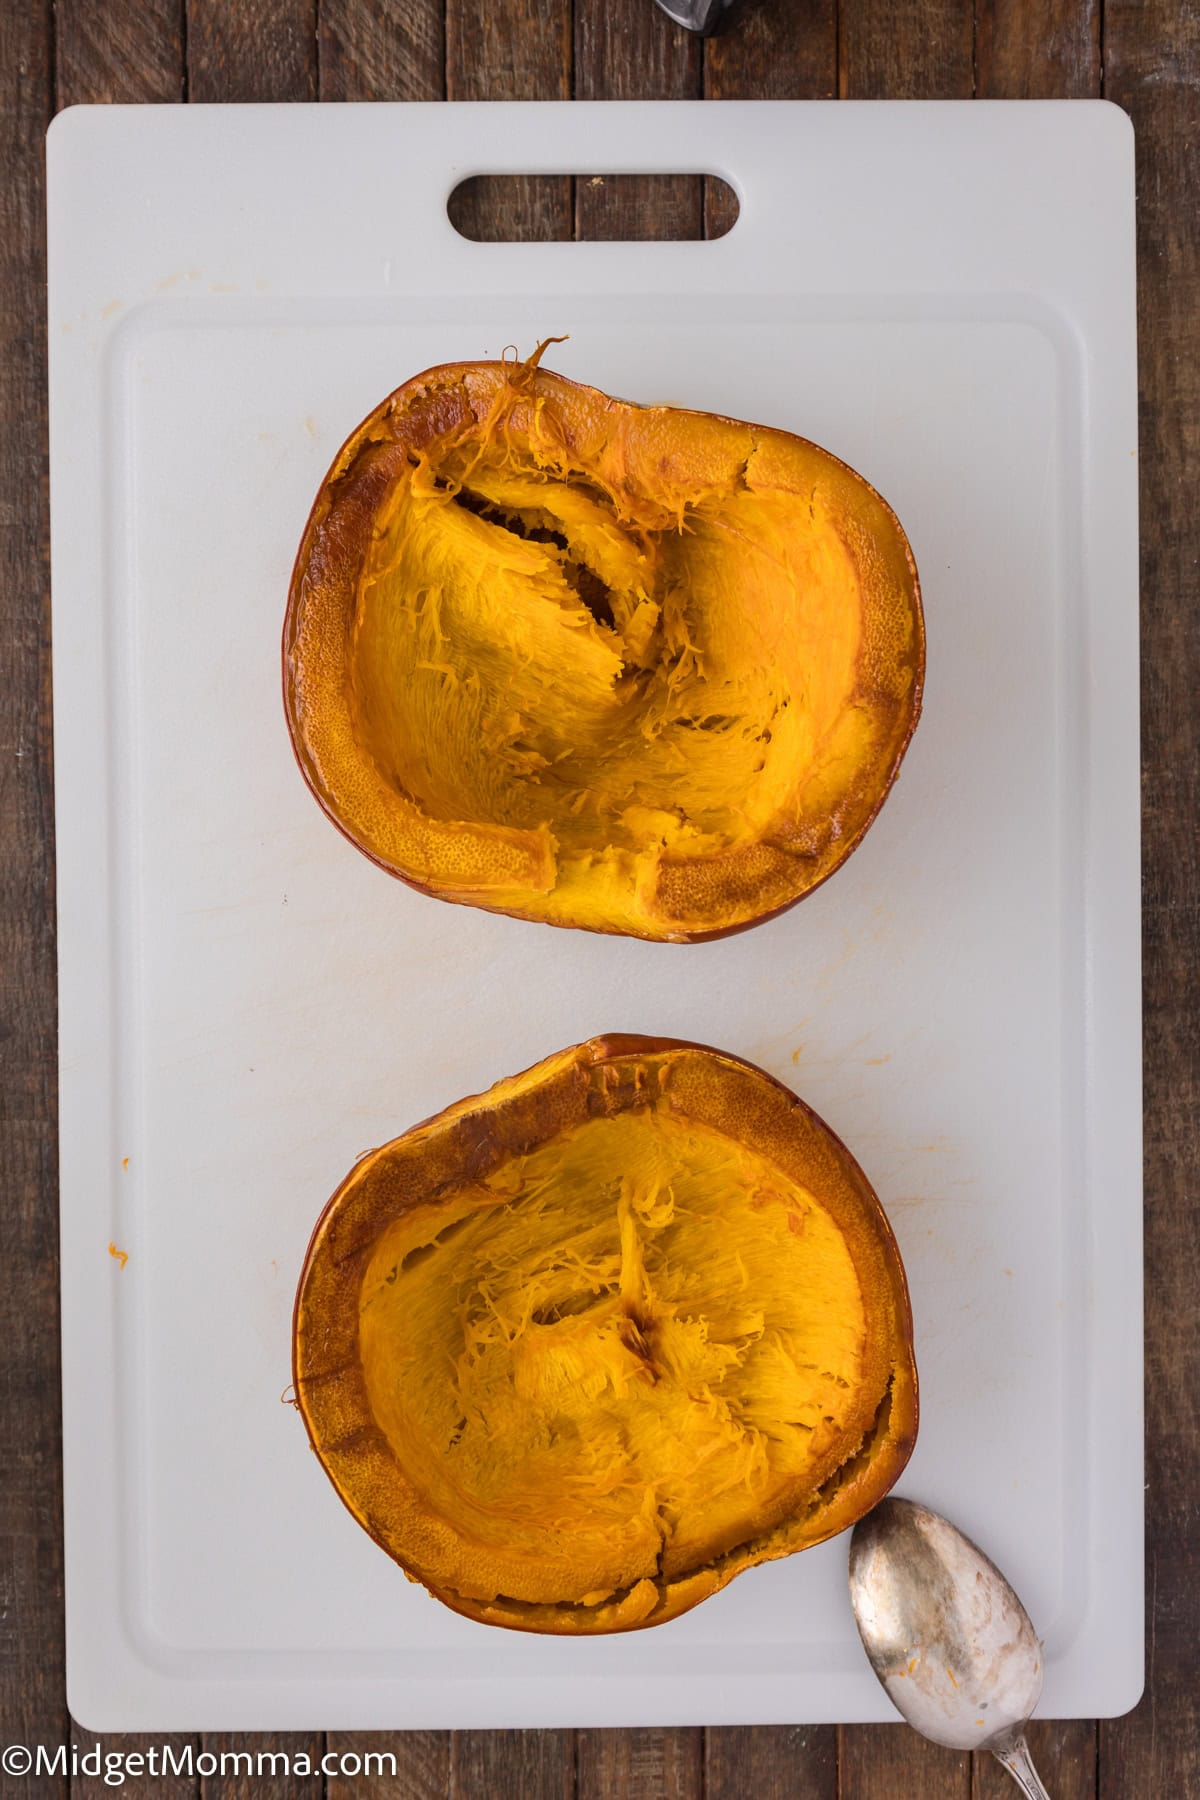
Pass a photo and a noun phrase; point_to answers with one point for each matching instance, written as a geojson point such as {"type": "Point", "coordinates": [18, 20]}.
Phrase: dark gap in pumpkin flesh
{"type": "Point", "coordinates": [591, 589]}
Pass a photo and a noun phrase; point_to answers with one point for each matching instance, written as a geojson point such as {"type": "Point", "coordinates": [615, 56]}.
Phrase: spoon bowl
{"type": "Point", "coordinates": [946, 1634]}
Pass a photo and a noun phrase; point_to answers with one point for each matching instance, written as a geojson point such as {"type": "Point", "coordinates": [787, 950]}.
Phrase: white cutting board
{"type": "Point", "coordinates": [942, 295]}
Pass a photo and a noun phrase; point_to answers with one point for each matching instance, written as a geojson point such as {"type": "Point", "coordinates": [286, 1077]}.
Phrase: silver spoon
{"type": "Point", "coordinates": [946, 1635]}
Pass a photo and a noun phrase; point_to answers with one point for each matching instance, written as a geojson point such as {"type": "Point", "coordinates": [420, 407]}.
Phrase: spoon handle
{"type": "Point", "coordinates": [1017, 1760]}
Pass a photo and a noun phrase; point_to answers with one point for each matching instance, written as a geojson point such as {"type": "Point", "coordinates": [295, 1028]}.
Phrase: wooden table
{"type": "Point", "coordinates": [1145, 55]}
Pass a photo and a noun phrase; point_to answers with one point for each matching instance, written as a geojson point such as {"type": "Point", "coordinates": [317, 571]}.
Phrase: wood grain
{"type": "Point", "coordinates": [771, 1762]}
{"type": "Point", "coordinates": [628, 50]}
{"type": "Point", "coordinates": [1152, 69]}
{"type": "Point", "coordinates": [518, 50]}
{"type": "Point", "coordinates": [32, 1701]}
{"type": "Point", "coordinates": [1037, 49]}
{"type": "Point", "coordinates": [777, 53]}
{"type": "Point", "coordinates": [119, 53]}
{"type": "Point", "coordinates": [536, 1765]}
{"type": "Point", "coordinates": [382, 50]}
{"type": "Point", "coordinates": [640, 1765]}
{"type": "Point", "coordinates": [256, 1765]}
{"type": "Point", "coordinates": [1064, 1755]}
{"type": "Point", "coordinates": [422, 1765]}
{"type": "Point", "coordinates": [248, 50]}
{"type": "Point", "coordinates": [88, 1785]}
{"type": "Point", "coordinates": [881, 1762]}
{"type": "Point", "coordinates": [905, 50]}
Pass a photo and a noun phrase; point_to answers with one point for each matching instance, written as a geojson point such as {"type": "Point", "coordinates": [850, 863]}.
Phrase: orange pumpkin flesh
{"type": "Point", "coordinates": [579, 1351]}
{"type": "Point", "coordinates": [628, 668]}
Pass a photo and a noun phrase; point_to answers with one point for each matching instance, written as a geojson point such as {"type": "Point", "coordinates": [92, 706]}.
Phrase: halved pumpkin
{"type": "Point", "coordinates": [580, 1350]}
{"type": "Point", "coordinates": [629, 668]}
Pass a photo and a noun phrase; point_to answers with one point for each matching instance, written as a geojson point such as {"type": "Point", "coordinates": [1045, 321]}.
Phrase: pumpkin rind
{"type": "Point", "coordinates": [578, 1351]}
{"type": "Point", "coordinates": [633, 669]}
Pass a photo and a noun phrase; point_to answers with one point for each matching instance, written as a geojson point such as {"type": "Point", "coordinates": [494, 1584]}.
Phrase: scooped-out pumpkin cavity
{"type": "Point", "coordinates": [656, 1339]}
{"type": "Point", "coordinates": [636, 669]}
{"type": "Point", "coordinates": [648, 1328]}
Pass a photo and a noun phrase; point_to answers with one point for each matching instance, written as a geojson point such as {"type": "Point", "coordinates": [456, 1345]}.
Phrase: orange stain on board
{"type": "Point", "coordinates": [124, 1162]}
{"type": "Point", "coordinates": [797, 1053]}
{"type": "Point", "coordinates": [877, 1062]}
{"type": "Point", "coordinates": [953, 1683]}
{"type": "Point", "coordinates": [121, 1256]}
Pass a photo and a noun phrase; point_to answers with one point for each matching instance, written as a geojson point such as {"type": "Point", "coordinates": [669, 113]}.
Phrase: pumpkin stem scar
{"type": "Point", "coordinates": [121, 1256]}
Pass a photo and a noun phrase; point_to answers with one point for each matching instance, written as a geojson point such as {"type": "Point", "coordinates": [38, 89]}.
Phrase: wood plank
{"type": "Point", "coordinates": [1064, 1755]}
{"type": "Point", "coordinates": [775, 53]}
{"type": "Point", "coordinates": [881, 1762]}
{"type": "Point", "coordinates": [421, 1765]}
{"type": "Point", "coordinates": [172, 1780]}
{"type": "Point", "coordinates": [32, 1705]}
{"type": "Point", "coordinates": [640, 1765]}
{"type": "Point", "coordinates": [382, 50]}
{"type": "Point", "coordinates": [1152, 69]}
{"type": "Point", "coordinates": [1037, 49]}
{"type": "Point", "coordinates": [252, 1765]}
{"type": "Point", "coordinates": [629, 50]}
{"type": "Point", "coordinates": [492, 1765]}
{"type": "Point", "coordinates": [771, 1762]}
{"type": "Point", "coordinates": [119, 53]}
{"type": "Point", "coordinates": [510, 50]}
{"type": "Point", "coordinates": [905, 50]}
{"type": "Point", "coordinates": [255, 1765]}
{"type": "Point", "coordinates": [248, 50]}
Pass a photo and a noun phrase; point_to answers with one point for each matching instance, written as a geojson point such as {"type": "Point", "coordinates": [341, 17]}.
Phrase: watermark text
{"type": "Point", "coordinates": [116, 1767]}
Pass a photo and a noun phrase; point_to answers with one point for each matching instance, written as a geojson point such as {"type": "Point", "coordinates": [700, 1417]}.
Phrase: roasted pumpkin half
{"type": "Point", "coordinates": [579, 1351]}
{"type": "Point", "coordinates": [629, 668]}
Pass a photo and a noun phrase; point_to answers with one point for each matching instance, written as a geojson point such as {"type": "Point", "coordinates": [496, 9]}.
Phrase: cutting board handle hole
{"type": "Point", "coordinates": [538, 209]}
